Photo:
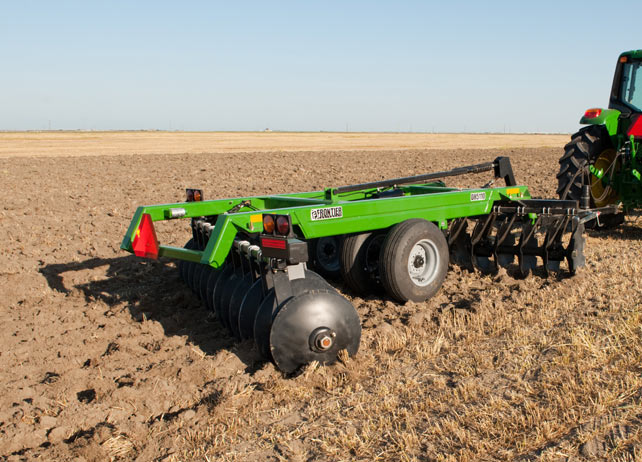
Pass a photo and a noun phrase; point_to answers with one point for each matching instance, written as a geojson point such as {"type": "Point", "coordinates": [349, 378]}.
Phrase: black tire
{"type": "Point", "coordinates": [414, 261]}
{"type": "Point", "coordinates": [325, 256]}
{"type": "Point", "coordinates": [360, 262]}
{"type": "Point", "coordinates": [585, 148]}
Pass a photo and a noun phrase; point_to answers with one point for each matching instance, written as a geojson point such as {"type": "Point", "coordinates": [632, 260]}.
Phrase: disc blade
{"type": "Point", "coordinates": [211, 283]}
{"type": "Point", "coordinates": [575, 251]}
{"type": "Point", "coordinates": [191, 267]}
{"type": "Point", "coordinates": [235, 303]}
{"type": "Point", "coordinates": [202, 285]}
{"type": "Point", "coordinates": [226, 294]}
{"type": "Point", "coordinates": [218, 291]}
{"type": "Point", "coordinates": [460, 251]}
{"type": "Point", "coordinates": [322, 311]}
{"type": "Point", "coordinates": [247, 311]}
{"type": "Point", "coordinates": [553, 265]}
{"type": "Point", "coordinates": [506, 259]}
{"type": "Point", "coordinates": [484, 264]}
{"type": "Point", "coordinates": [268, 309]}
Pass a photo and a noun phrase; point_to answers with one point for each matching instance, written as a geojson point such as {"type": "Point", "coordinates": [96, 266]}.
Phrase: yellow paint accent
{"type": "Point", "coordinates": [258, 218]}
{"type": "Point", "coordinates": [511, 191]}
{"type": "Point", "coordinates": [137, 232]}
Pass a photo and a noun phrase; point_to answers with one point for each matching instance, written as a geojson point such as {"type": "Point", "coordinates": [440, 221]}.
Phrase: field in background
{"type": "Point", "coordinates": [105, 356]}
{"type": "Point", "coordinates": [14, 144]}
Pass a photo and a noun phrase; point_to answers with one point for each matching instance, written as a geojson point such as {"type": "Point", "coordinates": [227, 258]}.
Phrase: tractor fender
{"type": "Point", "coordinates": [607, 117]}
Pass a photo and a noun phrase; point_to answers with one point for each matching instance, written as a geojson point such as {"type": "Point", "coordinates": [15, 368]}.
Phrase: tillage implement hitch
{"type": "Point", "coordinates": [257, 262]}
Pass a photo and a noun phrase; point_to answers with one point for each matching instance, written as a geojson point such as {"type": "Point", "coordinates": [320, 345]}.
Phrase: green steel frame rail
{"type": "Point", "coordinates": [347, 212]}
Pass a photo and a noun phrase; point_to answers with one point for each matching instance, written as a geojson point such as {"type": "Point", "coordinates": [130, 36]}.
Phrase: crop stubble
{"type": "Point", "coordinates": [104, 355]}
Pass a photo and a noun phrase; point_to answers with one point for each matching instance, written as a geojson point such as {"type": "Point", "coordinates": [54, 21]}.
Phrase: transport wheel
{"type": "Point", "coordinates": [325, 256]}
{"type": "Point", "coordinates": [414, 261]}
{"type": "Point", "coordinates": [360, 262]}
{"type": "Point", "coordinates": [589, 146]}
{"type": "Point", "coordinates": [314, 326]}
{"type": "Point", "coordinates": [182, 264]}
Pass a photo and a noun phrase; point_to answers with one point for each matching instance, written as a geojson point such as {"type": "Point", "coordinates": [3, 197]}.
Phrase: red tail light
{"type": "Point", "coordinates": [283, 225]}
{"type": "Point", "coordinates": [636, 128]}
{"type": "Point", "coordinates": [592, 113]}
{"type": "Point", "coordinates": [145, 242]}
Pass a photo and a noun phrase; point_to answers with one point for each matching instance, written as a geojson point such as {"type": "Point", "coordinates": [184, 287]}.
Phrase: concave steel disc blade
{"type": "Point", "coordinates": [575, 251]}
{"type": "Point", "coordinates": [196, 279]}
{"type": "Point", "coordinates": [268, 309]}
{"type": "Point", "coordinates": [182, 264]}
{"type": "Point", "coordinates": [191, 267]}
{"type": "Point", "coordinates": [211, 283]}
{"type": "Point", "coordinates": [460, 251]}
{"type": "Point", "coordinates": [506, 259]}
{"type": "Point", "coordinates": [202, 284]}
{"type": "Point", "coordinates": [226, 294]}
{"type": "Point", "coordinates": [247, 311]}
{"type": "Point", "coordinates": [485, 264]}
{"type": "Point", "coordinates": [227, 272]}
{"type": "Point", "coordinates": [304, 319]}
{"type": "Point", "coordinates": [527, 262]}
{"type": "Point", "coordinates": [235, 303]}
{"type": "Point", "coordinates": [553, 265]}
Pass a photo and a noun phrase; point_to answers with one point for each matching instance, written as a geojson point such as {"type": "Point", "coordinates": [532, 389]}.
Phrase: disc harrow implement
{"type": "Point", "coordinates": [257, 262]}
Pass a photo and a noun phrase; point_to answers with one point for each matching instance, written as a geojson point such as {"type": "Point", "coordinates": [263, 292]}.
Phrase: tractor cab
{"type": "Point", "coordinates": [626, 93]}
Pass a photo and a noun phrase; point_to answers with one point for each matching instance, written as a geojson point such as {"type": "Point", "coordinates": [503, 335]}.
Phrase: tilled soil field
{"type": "Point", "coordinates": [108, 357]}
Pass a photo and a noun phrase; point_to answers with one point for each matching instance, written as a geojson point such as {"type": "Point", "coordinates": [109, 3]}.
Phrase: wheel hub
{"type": "Point", "coordinates": [322, 339]}
{"type": "Point", "coordinates": [423, 262]}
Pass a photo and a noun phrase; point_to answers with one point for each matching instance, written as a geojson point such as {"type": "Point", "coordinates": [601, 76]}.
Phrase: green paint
{"type": "Point", "coordinates": [360, 213]}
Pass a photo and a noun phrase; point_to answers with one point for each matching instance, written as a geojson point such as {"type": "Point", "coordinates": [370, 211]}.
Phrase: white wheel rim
{"type": "Point", "coordinates": [423, 262]}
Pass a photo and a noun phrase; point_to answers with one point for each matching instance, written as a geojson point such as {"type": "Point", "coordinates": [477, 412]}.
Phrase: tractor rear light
{"type": "Point", "coordinates": [194, 195]}
{"type": "Point", "coordinates": [145, 243]}
{"type": "Point", "coordinates": [592, 113]}
{"type": "Point", "coordinates": [283, 225]}
{"type": "Point", "coordinates": [636, 128]}
{"type": "Point", "coordinates": [624, 59]}
{"type": "Point", "coordinates": [268, 224]}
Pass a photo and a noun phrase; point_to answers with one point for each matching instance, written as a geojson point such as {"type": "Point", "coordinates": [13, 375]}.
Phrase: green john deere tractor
{"type": "Point", "coordinates": [600, 167]}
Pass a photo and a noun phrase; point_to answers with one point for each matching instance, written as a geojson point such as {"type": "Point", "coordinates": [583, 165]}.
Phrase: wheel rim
{"type": "Point", "coordinates": [423, 262]}
{"type": "Point", "coordinates": [373, 250]}
{"type": "Point", "coordinates": [604, 195]}
{"type": "Point", "coordinates": [328, 253]}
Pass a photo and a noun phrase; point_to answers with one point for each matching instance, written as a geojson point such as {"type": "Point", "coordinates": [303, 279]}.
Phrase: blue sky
{"type": "Point", "coordinates": [335, 65]}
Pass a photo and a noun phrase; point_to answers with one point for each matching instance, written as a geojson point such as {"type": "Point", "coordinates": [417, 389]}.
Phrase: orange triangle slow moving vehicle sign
{"type": "Point", "coordinates": [145, 242]}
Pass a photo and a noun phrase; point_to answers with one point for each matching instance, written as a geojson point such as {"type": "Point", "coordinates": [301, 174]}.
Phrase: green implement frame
{"type": "Point", "coordinates": [334, 211]}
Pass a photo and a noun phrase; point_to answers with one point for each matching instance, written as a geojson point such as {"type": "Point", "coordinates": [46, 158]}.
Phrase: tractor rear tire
{"type": "Point", "coordinates": [589, 146]}
{"type": "Point", "coordinates": [414, 261]}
